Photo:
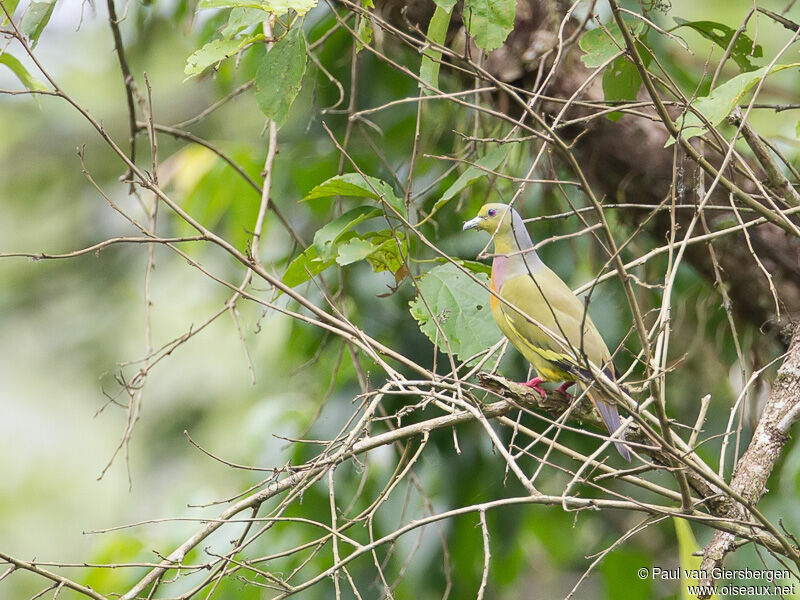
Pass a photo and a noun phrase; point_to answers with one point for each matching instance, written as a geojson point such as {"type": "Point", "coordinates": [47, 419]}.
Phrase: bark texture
{"type": "Point", "coordinates": [757, 463]}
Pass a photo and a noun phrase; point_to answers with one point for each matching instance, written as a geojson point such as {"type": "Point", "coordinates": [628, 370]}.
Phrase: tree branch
{"type": "Point", "coordinates": [757, 463]}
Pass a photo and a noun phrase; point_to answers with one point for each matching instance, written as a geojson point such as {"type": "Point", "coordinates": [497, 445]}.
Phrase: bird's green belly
{"type": "Point", "coordinates": [545, 368]}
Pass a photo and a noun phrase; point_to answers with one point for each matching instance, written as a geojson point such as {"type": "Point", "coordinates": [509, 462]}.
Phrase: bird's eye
{"type": "Point", "coordinates": [492, 212]}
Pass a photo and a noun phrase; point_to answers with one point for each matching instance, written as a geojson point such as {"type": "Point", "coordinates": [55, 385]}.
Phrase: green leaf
{"type": "Point", "coordinates": [328, 236]}
{"type": "Point", "coordinates": [461, 307]}
{"type": "Point", "coordinates": [472, 265]}
{"type": "Point", "coordinates": [490, 162]}
{"type": "Point", "coordinates": [721, 101]}
{"type": "Point", "coordinates": [621, 81]}
{"type": "Point", "coordinates": [383, 250]}
{"type": "Point", "coordinates": [353, 184]}
{"type": "Point", "coordinates": [280, 75]}
{"type": "Point", "coordinates": [437, 31]}
{"type": "Point", "coordinates": [11, 6]}
{"type": "Point", "coordinates": [489, 21]}
{"type": "Point", "coordinates": [242, 18]}
{"type": "Point", "coordinates": [216, 51]}
{"type": "Point", "coordinates": [277, 7]}
{"type": "Point", "coordinates": [21, 72]}
{"type": "Point", "coordinates": [355, 250]}
{"type": "Point", "coordinates": [363, 34]}
{"type": "Point", "coordinates": [445, 4]}
{"type": "Point", "coordinates": [36, 18]}
{"type": "Point", "coordinates": [687, 546]}
{"type": "Point", "coordinates": [722, 35]}
{"type": "Point", "coordinates": [600, 47]}
{"type": "Point", "coordinates": [305, 266]}
{"type": "Point", "coordinates": [391, 248]}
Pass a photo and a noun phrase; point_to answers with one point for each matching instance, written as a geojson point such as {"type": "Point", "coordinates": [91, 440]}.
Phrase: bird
{"type": "Point", "coordinates": [522, 280]}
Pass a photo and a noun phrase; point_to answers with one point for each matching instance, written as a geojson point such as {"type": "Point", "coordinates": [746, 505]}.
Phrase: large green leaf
{"type": "Point", "coordinates": [305, 266]}
{"type": "Point", "coordinates": [383, 250]}
{"type": "Point", "coordinates": [36, 18]}
{"type": "Point", "coordinates": [10, 6]}
{"type": "Point", "coordinates": [328, 236]}
{"type": "Point", "coordinates": [364, 33]}
{"type": "Point", "coordinates": [357, 186]}
{"type": "Point", "coordinates": [277, 7]}
{"type": "Point", "coordinates": [722, 34]}
{"type": "Point", "coordinates": [722, 100]}
{"type": "Point", "coordinates": [437, 31]}
{"type": "Point", "coordinates": [242, 18]}
{"type": "Point", "coordinates": [21, 72]}
{"type": "Point", "coordinates": [280, 75]}
{"type": "Point", "coordinates": [471, 174]}
{"type": "Point", "coordinates": [600, 47]}
{"type": "Point", "coordinates": [461, 307]}
{"type": "Point", "coordinates": [621, 81]}
{"type": "Point", "coordinates": [216, 51]}
{"type": "Point", "coordinates": [489, 21]}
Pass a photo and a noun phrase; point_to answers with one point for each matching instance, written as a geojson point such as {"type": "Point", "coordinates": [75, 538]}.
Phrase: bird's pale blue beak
{"type": "Point", "coordinates": [472, 223]}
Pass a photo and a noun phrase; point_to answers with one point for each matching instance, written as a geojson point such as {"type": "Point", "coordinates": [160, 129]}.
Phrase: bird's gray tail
{"type": "Point", "coordinates": [610, 415]}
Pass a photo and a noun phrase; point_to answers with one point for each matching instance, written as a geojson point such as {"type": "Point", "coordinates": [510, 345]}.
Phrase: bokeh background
{"type": "Point", "coordinates": [69, 328]}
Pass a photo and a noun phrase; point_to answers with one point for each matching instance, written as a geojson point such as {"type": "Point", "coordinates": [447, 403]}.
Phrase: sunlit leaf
{"type": "Point", "coordinates": [216, 51]}
{"type": "Point", "coordinates": [36, 18]}
{"type": "Point", "coordinates": [489, 21]}
{"type": "Point", "coordinates": [21, 72]}
{"type": "Point", "coordinates": [461, 308]}
{"type": "Point", "coordinates": [437, 31]}
{"type": "Point", "coordinates": [326, 238]}
{"type": "Point", "coordinates": [277, 7]}
{"type": "Point", "coordinates": [213, 193]}
{"type": "Point", "coordinates": [363, 33]}
{"type": "Point", "coordinates": [305, 266]}
{"type": "Point", "coordinates": [391, 248]}
{"type": "Point", "coordinates": [355, 250]}
{"type": "Point", "coordinates": [600, 47]}
{"type": "Point", "coordinates": [357, 186]}
{"type": "Point", "coordinates": [280, 75]}
{"type": "Point", "coordinates": [11, 6]}
{"type": "Point", "coordinates": [383, 250]}
{"type": "Point", "coordinates": [722, 100]}
{"type": "Point", "coordinates": [722, 34]}
{"type": "Point", "coordinates": [242, 18]}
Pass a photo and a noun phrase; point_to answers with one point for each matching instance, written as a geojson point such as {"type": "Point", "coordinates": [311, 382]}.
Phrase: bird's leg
{"type": "Point", "coordinates": [534, 384]}
{"type": "Point", "coordinates": [562, 389]}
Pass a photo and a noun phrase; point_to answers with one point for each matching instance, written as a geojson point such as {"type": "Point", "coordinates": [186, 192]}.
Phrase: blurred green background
{"type": "Point", "coordinates": [69, 327]}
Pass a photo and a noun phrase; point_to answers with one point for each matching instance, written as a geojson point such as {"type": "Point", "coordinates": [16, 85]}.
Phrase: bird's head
{"type": "Point", "coordinates": [494, 217]}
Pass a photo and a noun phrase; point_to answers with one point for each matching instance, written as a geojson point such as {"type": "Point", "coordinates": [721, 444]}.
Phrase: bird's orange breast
{"type": "Point", "coordinates": [492, 298]}
{"type": "Point", "coordinates": [498, 276]}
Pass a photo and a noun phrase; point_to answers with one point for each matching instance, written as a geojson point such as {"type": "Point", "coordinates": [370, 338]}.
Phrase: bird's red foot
{"type": "Point", "coordinates": [562, 389]}
{"type": "Point", "coordinates": [534, 384]}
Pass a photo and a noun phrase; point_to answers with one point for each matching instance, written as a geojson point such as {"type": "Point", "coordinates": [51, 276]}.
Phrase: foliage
{"type": "Point", "coordinates": [275, 267]}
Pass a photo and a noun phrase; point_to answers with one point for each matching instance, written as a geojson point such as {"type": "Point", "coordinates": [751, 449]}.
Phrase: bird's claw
{"type": "Point", "coordinates": [534, 385]}
{"type": "Point", "coordinates": [562, 389]}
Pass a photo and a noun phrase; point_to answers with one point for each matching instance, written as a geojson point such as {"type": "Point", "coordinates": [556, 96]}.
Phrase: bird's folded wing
{"type": "Point", "coordinates": [561, 313]}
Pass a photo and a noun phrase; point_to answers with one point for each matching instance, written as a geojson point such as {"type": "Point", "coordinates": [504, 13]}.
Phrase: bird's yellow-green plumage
{"type": "Point", "coordinates": [547, 310]}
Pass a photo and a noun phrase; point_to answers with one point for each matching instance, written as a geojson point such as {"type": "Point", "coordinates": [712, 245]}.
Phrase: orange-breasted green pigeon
{"type": "Point", "coordinates": [547, 308]}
